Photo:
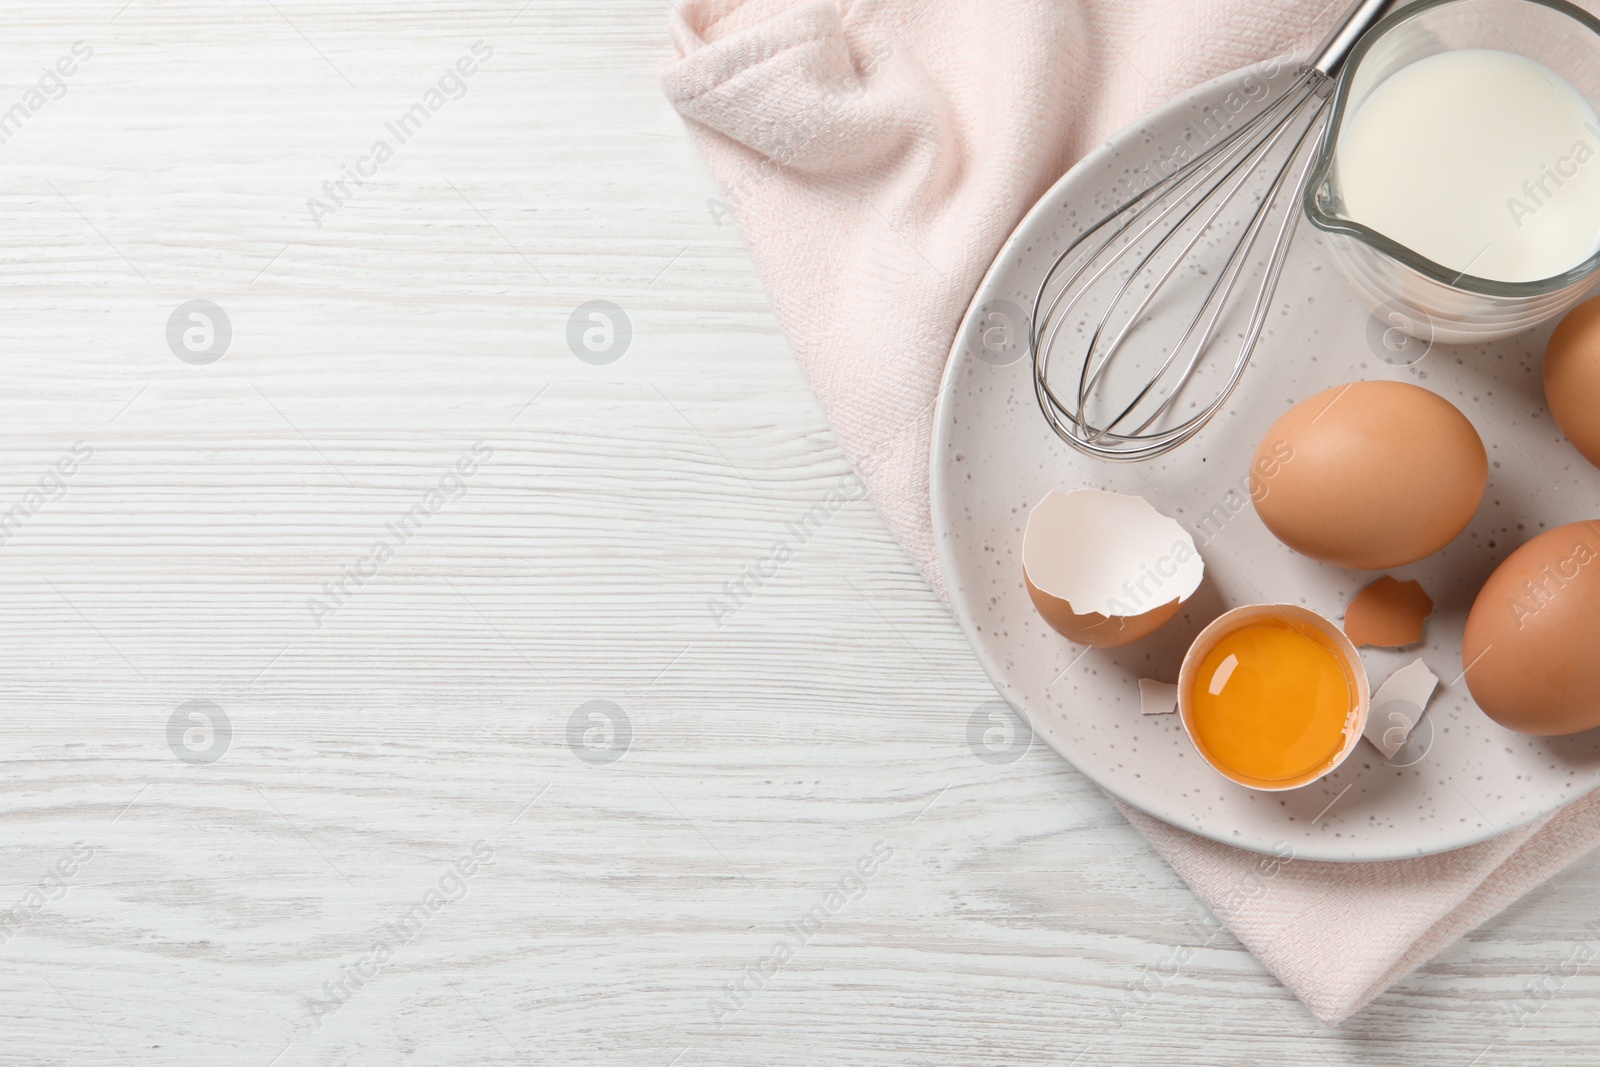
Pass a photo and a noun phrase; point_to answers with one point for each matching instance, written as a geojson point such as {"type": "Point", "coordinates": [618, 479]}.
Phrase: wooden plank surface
{"type": "Point", "coordinates": [393, 852]}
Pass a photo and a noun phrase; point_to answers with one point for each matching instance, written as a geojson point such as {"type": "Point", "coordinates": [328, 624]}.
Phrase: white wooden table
{"type": "Point", "coordinates": [406, 844]}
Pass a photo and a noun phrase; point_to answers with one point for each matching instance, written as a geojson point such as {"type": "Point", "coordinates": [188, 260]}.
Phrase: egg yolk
{"type": "Point", "coordinates": [1272, 700]}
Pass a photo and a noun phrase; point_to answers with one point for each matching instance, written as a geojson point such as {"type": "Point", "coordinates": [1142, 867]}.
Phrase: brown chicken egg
{"type": "Point", "coordinates": [1532, 646]}
{"type": "Point", "coordinates": [1572, 378]}
{"type": "Point", "coordinates": [1370, 475]}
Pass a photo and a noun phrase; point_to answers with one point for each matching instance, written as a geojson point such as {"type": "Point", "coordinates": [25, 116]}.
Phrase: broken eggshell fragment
{"type": "Point", "coordinates": [1106, 569]}
{"type": "Point", "coordinates": [1388, 614]}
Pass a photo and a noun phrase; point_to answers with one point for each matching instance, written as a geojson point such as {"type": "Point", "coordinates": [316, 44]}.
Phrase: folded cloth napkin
{"type": "Point", "coordinates": [875, 154]}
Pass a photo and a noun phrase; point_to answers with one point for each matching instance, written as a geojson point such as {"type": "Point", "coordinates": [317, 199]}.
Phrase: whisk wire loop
{"type": "Point", "coordinates": [1129, 274]}
{"type": "Point", "coordinates": [1228, 277]}
{"type": "Point", "coordinates": [1168, 221]}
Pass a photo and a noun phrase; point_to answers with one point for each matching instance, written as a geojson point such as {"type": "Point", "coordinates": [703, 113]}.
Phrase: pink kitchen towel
{"type": "Point", "coordinates": [875, 155]}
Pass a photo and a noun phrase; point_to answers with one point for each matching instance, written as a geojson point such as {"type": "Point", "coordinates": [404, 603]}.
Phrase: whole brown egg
{"type": "Point", "coordinates": [1369, 475]}
{"type": "Point", "coordinates": [1532, 646]}
{"type": "Point", "coordinates": [1572, 378]}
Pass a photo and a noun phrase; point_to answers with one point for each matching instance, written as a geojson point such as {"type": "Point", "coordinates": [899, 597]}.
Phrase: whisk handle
{"type": "Point", "coordinates": [1330, 56]}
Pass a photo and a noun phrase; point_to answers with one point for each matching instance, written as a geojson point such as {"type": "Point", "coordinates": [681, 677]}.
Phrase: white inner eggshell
{"type": "Point", "coordinates": [1398, 705]}
{"type": "Point", "coordinates": [1111, 553]}
{"type": "Point", "coordinates": [1157, 698]}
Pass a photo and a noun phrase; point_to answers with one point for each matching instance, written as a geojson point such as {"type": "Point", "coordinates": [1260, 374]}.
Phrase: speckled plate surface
{"type": "Point", "coordinates": [1460, 779]}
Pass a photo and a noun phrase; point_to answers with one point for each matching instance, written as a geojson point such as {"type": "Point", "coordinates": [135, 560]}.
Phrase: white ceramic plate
{"type": "Point", "coordinates": [1461, 779]}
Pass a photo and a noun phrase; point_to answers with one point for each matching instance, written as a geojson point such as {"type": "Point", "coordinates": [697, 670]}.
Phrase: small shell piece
{"type": "Point", "coordinates": [1387, 614]}
{"type": "Point", "coordinates": [1106, 569]}
{"type": "Point", "coordinates": [1398, 705]}
{"type": "Point", "coordinates": [1157, 698]}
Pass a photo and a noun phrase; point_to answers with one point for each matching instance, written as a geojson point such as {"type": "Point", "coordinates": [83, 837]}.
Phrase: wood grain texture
{"type": "Point", "coordinates": [1017, 920]}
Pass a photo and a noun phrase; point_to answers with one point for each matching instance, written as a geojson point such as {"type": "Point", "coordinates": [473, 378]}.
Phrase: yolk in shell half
{"type": "Point", "coordinates": [1271, 700]}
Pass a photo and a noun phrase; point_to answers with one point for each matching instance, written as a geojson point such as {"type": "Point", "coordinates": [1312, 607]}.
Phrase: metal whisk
{"type": "Point", "coordinates": [1147, 271]}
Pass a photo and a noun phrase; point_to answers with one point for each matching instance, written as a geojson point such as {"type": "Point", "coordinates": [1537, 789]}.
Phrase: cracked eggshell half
{"type": "Point", "coordinates": [1106, 569]}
